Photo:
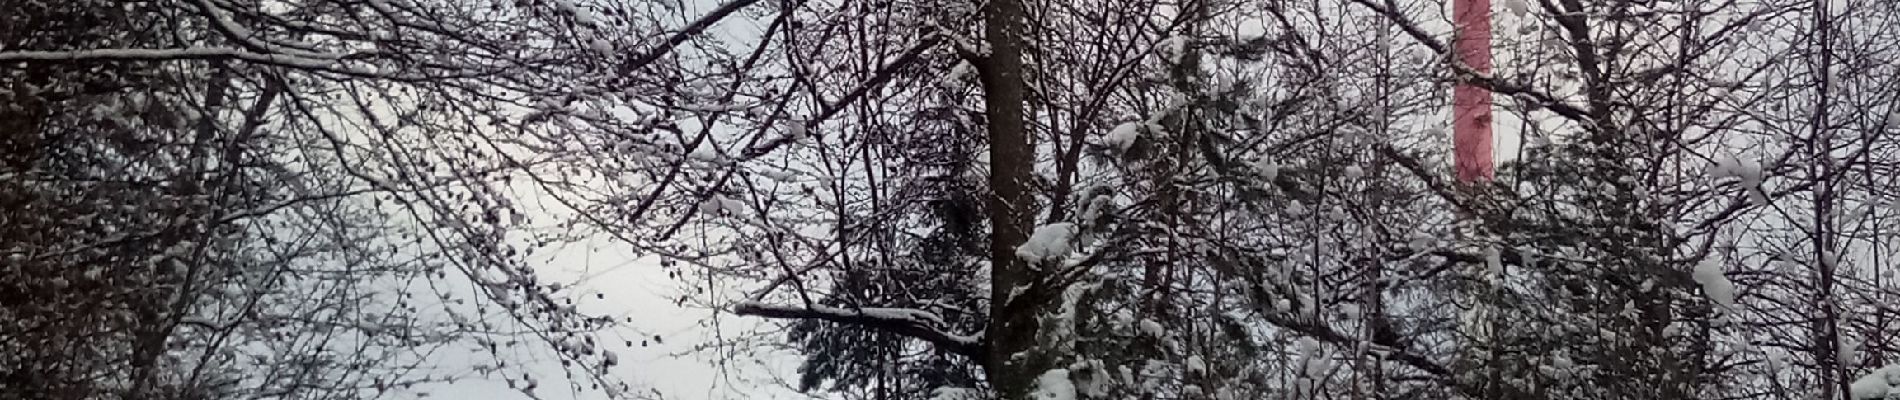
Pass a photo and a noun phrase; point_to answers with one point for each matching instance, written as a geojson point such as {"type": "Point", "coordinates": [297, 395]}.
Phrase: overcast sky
{"type": "Point", "coordinates": [641, 289]}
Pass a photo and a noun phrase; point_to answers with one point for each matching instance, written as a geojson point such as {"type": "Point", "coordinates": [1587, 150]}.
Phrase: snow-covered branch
{"type": "Point", "coordinates": [1394, 351]}
{"type": "Point", "coordinates": [673, 41]}
{"type": "Point", "coordinates": [877, 80]}
{"type": "Point", "coordinates": [189, 53]}
{"type": "Point", "coordinates": [910, 322]}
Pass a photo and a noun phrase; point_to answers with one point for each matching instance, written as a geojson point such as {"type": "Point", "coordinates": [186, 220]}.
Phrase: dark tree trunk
{"type": "Point", "coordinates": [1011, 330]}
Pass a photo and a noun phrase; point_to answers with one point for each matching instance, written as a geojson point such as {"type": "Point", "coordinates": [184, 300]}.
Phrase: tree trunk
{"type": "Point", "coordinates": [1012, 330]}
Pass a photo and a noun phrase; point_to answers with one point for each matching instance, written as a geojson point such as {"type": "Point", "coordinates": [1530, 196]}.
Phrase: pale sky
{"type": "Point", "coordinates": [641, 289]}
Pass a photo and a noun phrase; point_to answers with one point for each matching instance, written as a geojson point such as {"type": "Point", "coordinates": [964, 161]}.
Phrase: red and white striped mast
{"type": "Point", "coordinates": [1471, 150]}
{"type": "Point", "coordinates": [1471, 103]}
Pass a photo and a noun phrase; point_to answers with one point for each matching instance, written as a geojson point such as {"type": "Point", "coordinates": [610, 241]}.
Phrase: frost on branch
{"type": "Point", "coordinates": [920, 324]}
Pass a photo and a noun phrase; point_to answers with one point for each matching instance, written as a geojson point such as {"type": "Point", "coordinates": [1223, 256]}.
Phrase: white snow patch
{"type": "Point", "coordinates": [1096, 206]}
{"type": "Point", "coordinates": [1849, 352]}
{"type": "Point", "coordinates": [1337, 214]}
{"type": "Point", "coordinates": [1517, 7]}
{"type": "Point", "coordinates": [1097, 383]}
{"type": "Point", "coordinates": [795, 130]}
{"type": "Point", "coordinates": [908, 315]}
{"type": "Point", "coordinates": [716, 107]}
{"type": "Point", "coordinates": [1878, 384]}
{"type": "Point", "coordinates": [1175, 49]}
{"type": "Point", "coordinates": [1055, 385]}
{"type": "Point", "coordinates": [1313, 356]}
{"type": "Point", "coordinates": [1559, 367]}
{"type": "Point", "coordinates": [1295, 207]}
{"type": "Point", "coordinates": [956, 394]}
{"type": "Point", "coordinates": [1494, 261]}
{"type": "Point", "coordinates": [705, 152]}
{"type": "Point", "coordinates": [1048, 242]}
{"type": "Point", "coordinates": [1225, 393]}
{"type": "Point", "coordinates": [1269, 170]}
{"type": "Point", "coordinates": [1354, 172]}
{"type": "Point", "coordinates": [954, 80]}
{"type": "Point", "coordinates": [1124, 318]}
{"type": "Point", "coordinates": [719, 204]}
{"type": "Point", "coordinates": [1714, 283]}
{"type": "Point", "coordinates": [581, 15]}
{"type": "Point", "coordinates": [1061, 327]}
{"type": "Point", "coordinates": [1151, 373]}
{"type": "Point", "coordinates": [1421, 241]}
{"type": "Point", "coordinates": [1747, 170]}
{"type": "Point", "coordinates": [1123, 136]}
{"type": "Point", "coordinates": [1196, 365]}
{"type": "Point", "coordinates": [783, 175]}
{"type": "Point", "coordinates": [1127, 374]}
{"type": "Point", "coordinates": [1152, 328]}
